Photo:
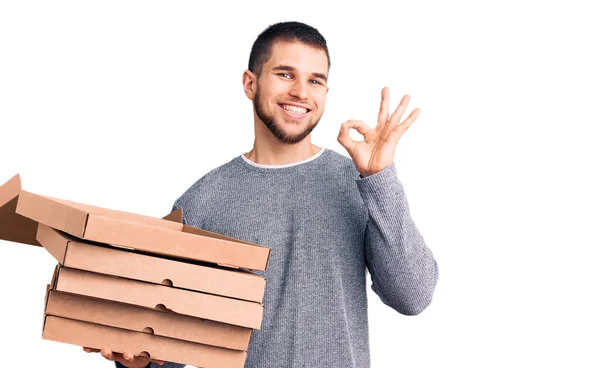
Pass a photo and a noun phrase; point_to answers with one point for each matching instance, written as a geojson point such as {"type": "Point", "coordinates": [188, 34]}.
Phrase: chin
{"type": "Point", "coordinates": [294, 136]}
{"type": "Point", "coordinates": [287, 130]}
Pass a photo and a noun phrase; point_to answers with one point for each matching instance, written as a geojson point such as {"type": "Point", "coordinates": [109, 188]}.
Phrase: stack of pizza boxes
{"type": "Point", "coordinates": [138, 284]}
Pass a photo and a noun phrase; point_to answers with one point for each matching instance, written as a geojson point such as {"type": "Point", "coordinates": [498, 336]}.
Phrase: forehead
{"type": "Point", "coordinates": [303, 57]}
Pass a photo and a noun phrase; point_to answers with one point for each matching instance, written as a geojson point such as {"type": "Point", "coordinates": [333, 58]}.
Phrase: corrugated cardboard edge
{"type": "Point", "coordinates": [49, 288]}
{"type": "Point", "coordinates": [14, 227]}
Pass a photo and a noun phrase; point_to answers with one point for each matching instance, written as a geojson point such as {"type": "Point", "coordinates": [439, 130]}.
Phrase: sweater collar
{"type": "Point", "coordinates": [285, 165]}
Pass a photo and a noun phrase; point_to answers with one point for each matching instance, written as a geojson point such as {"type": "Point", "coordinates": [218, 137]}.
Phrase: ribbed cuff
{"type": "Point", "coordinates": [381, 187]}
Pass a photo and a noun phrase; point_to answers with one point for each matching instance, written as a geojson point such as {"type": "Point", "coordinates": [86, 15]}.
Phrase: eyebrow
{"type": "Point", "coordinates": [288, 68]}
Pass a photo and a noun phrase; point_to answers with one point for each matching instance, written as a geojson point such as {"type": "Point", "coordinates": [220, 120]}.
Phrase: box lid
{"type": "Point", "coordinates": [14, 227]}
{"type": "Point", "coordinates": [20, 229]}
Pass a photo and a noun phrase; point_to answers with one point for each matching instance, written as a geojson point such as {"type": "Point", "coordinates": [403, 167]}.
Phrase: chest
{"type": "Point", "coordinates": [302, 221]}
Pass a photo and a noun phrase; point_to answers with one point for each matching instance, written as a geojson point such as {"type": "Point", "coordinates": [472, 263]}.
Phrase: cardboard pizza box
{"type": "Point", "coordinates": [130, 317]}
{"type": "Point", "coordinates": [122, 229]}
{"type": "Point", "coordinates": [140, 343]}
{"type": "Point", "coordinates": [74, 253]}
{"type": "Point", "coordinates": [192, 303]}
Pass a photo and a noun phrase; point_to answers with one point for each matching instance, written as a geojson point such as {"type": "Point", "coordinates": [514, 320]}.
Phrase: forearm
{"type": "Point", "coordinates": [403, 269]}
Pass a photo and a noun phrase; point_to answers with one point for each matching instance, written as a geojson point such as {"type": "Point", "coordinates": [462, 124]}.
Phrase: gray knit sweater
{"type": "Point", "coordinates": [325, 225]}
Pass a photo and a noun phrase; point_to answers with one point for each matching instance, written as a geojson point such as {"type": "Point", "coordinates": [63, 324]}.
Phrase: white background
{"type": "Point", "coordinates": [125, 104]}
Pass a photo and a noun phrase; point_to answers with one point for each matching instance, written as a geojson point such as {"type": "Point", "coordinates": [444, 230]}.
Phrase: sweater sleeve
{"type": "Point", "coordinates": [403, 270]}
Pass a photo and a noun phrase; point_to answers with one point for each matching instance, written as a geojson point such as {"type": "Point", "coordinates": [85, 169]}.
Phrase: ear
{"type": "Point", "coordinates": [249, 81]}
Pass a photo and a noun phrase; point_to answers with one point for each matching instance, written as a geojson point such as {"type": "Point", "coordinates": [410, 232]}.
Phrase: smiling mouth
{"type": "Point", "coordinates": [294, 110]}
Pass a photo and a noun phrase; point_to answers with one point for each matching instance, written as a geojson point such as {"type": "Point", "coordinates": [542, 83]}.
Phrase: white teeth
{"type": "Point", "coordinates": [294, 109]}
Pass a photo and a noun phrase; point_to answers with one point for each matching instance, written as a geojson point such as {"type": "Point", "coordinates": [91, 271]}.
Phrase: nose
{"type": "Point", "coordinates": [299, 90]}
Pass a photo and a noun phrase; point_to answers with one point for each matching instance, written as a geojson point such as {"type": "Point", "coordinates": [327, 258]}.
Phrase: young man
{"type": "Point", "coordinates": [325, 217]}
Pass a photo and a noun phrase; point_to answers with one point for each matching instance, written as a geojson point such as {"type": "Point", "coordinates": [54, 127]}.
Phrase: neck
{"type": "Point", "coordinates": [268, 150]}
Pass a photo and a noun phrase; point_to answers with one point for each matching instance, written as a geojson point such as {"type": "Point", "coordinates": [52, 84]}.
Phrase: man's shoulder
{"type": "Point", "coordinates": [211, 180]}
{"type": "Point", "coordinates": [335, 156]}
{"type": "Point", "coordinates": [340, 163]}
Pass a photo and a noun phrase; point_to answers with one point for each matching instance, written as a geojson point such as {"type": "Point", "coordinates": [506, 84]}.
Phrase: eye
{"type": "Point", "coordinates": [314, 81]}
{"type": "Point", "coordinates": [284, 75]}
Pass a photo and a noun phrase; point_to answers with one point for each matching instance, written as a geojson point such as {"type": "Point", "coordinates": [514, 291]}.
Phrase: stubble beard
{"type": "Point", "coordinates": [275, 129]}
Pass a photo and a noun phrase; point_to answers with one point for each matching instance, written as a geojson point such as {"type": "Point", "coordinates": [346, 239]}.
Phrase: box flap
{"type": "Point", "coordinates": [14, 227]}
{"type": "Point", "coordinates": [10, 189]}
{"type": "Point", "coordinates": [51, 240]}
{"type": "Point", "coordinates": [53, 213]}
{"type": "Point", "coordinates": [175, 216]}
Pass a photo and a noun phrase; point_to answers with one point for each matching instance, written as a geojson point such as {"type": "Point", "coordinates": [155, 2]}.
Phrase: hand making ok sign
{"type": "Point", "coordinates": [376, 151]}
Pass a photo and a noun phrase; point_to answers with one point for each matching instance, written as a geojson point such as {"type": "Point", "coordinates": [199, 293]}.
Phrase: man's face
{"type": "Point", "coordinates": [291, 90]}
